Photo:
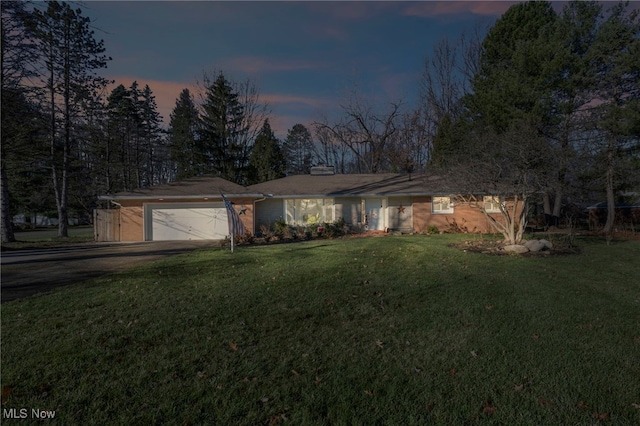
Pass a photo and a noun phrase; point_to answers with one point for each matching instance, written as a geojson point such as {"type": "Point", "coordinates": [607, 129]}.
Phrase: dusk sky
{"type": "Point", "coordinates": [302, 56]}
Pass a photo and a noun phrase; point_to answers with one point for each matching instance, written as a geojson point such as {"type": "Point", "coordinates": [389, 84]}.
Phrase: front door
{"type": "Point", "coordinates": [374, 211]}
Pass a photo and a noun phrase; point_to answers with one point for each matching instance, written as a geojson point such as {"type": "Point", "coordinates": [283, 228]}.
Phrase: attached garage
{"type": "Point", "coordinates": [185, 221]}
{"type": "Point", "coordinates": [191, 209]}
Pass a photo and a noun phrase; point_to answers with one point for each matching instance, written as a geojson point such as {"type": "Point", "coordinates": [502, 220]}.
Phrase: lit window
{"type": "Point", "coordinates": [308, 212]}
{"type": "Point", "coordinates": [491, 204]}
{"type": "Point", "coordinates": [442, 205]}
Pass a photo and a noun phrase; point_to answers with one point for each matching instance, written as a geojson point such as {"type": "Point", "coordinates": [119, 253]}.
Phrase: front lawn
{"type": "Point", "coordinates": [47, 237]}
{"type": "Point", "coordinates": [388, 330]}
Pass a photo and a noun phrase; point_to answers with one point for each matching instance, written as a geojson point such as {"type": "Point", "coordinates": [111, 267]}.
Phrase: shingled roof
{"type": "Point", "coordinates": [344, 185]}
{"type": "Point", "coordinates": [196, 187]}
{"type": "Point", "coordinates": [333, 185]}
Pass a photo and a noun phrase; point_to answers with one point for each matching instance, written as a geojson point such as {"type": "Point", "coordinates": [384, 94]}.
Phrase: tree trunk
{"type": "Point", "coordinates": [552, 211]}
{"type": "Point", "coordinates": [7, 225]}
{"type": "Point", "coordinates": [557, 204]}
{"type": "Point", "coordinates": [611, 201]}
{"type": "Point", "coordinates": [63, 192]}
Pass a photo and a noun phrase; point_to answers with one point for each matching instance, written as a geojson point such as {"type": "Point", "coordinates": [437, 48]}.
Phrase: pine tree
{"type": "Point", "coordinates": [156, 155]}
{"type": "Point", "coordinates": [69, 56]}
{"type": "Point", "coordinates": [186, 152]}
{"type": "Point", "coordinates": [299, 150]}
{"type": "Point", "coordinates": [16, 53]}
{"type": "Point", "coordinates": [119, 151]}
{"type": "Point", "coordinates": [514, 68]}
{"type": "Point", "coordinates": [267, 159]}
{"type": "Point", "coordinates": [221, 131]}
{"type": "Point", "coordinates": [615, 61]}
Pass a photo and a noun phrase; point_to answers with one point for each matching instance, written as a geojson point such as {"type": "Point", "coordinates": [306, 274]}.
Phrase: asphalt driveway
{"type": "Point", "coordinates": [29, 272]}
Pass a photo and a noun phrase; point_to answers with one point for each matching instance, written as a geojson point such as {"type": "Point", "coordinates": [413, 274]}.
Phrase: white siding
{"type": "Point", "coordinates": [268, 211]}
{"type": "Point", "coordinates": [350, 209]}
{"type": "Point", "coordinates": [400, 213]}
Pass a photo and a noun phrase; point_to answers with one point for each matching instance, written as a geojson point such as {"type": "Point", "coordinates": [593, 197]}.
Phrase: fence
{"type": "Point", "coordinates": [106, 225]}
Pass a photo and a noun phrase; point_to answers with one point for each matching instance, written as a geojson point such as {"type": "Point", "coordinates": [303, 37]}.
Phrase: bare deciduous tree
{"type": "Point", "coordinates": [330, 151]}
{"type": "Point", "coordinates": [367, 131]}
{"type": "Point", "coordinates": [508, 166]}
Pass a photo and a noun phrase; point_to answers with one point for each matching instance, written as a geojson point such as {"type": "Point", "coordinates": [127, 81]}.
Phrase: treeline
{"type": "Point", "coordinates": [544, 101]}
{"type": "Point", "coordinates": [64, 139]}
{"type": "Point", "coordinates": [551, 109]}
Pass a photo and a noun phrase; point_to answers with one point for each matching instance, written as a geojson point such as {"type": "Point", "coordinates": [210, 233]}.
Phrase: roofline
{"type": "Point", "coordinates": [279, 196]}
{"type": "Point", "coordinates": [379, 194]}
{"type": "Point", "coordinates": [176, 197]}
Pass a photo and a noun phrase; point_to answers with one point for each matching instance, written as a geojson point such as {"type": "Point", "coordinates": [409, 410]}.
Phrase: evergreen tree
{"type": "Point", "coordinates": [156, 153]}
{"type": "Point", "coordinates": [187, 154]}
{"type": "Point", "coordinates": [615, 60]}
{"type": "Point", "coordinates": [299, 150]}
{"type": "Point", "coordinates": [222, 131]}
{"type": "Point", "coordinates": [532, 71]}
{"type": "Point", "coordinates": [119, 151]}
{"type": "Point", "coordinates": [16, 53]}
{"type": "Point", "coordinates": [567, 77]}
{"type": "Point", "coordinates": [447, 140]}
{"type": "Point", "coordinates": [69, 56]}
{"type": "Point", "coordinates": [267, 159]}
{"type": "Point", "coordinates": [515, 65]}
{"type": "Point", "coordinates": [25, 177]}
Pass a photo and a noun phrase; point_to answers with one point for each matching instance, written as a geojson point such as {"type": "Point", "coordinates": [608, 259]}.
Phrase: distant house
{"type": "Point", "coordinates": [627, 212]}
{"type": "Point", "coordinates": [193, 208]}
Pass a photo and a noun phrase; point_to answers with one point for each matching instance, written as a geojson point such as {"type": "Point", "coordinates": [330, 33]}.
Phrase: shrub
{"type": "Point", "coordinates": [335, 229]}
{"type": "Point", "coordinates": [308, 234]}
{"type": "Point", "coordinates": [454, 227]}
{"type": "Point", "coordinates": [266, 233]}
{"type": "Point", "coordinates": [246, 238]}
{"type": "Point", "coordinates": [281, 228]}
{"type": "Point", "coordinates": [432, 229]}
{"type": "Point", "coordinates": [303, 232]}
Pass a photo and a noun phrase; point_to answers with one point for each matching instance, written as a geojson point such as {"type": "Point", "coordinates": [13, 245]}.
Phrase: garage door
{"type": "Point", "coordinates": [187, 222]}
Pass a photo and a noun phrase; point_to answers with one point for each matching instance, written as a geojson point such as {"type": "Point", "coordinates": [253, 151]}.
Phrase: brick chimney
{"type": "Point", "coordinates": [322, 170]}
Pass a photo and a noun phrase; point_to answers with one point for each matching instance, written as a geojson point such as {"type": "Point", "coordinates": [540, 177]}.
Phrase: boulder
{"type": "Point", "coordinates": [535, 245]}
{"type": "Point", "coordinates": [515, 248]}
{"type": "Point", "coordinates": [547, 244]}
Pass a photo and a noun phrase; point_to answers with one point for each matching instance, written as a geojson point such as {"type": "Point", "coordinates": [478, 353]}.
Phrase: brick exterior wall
{"type": "Point", "coordinates": [131, 221]}
{"type": "Point", "coordinates": [464, 215]}
{"type": "Point", "coordinates": [132, 215]}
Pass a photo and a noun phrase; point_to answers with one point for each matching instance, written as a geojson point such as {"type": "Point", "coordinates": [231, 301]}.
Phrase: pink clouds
{"type": "Point", "coordinates": [293, 110]}
{"type": "Point", "coordinates": [165, 92]}
{"type": "Point", "coordinates": [274, 99]}
{"type": "Point", "coordinates": [439, 8]}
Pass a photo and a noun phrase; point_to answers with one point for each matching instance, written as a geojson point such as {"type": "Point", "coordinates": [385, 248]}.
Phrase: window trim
{"type": "Point", "coordinates": [295, 215]}
{"type": "Point", "coordinates": [450, 210]}
{"type": "Point", "coordinates": [493, 201]}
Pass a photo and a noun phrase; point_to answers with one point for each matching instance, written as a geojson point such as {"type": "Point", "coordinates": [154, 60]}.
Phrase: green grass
{"type": "Point", "coordinates": [394, 330]}
{"type": "Point", "coordinates": [47, 237]}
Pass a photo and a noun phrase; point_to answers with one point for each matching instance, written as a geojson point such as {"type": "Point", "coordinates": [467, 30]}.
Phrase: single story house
{"type": "Point", "coordinates": [374, 202]}
{"type": "Point", "coordinates": [193, 208]}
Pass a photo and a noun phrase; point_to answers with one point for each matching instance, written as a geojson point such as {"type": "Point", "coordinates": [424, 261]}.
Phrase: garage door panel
{"type": "Point", "coordinates": [188, 223]}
